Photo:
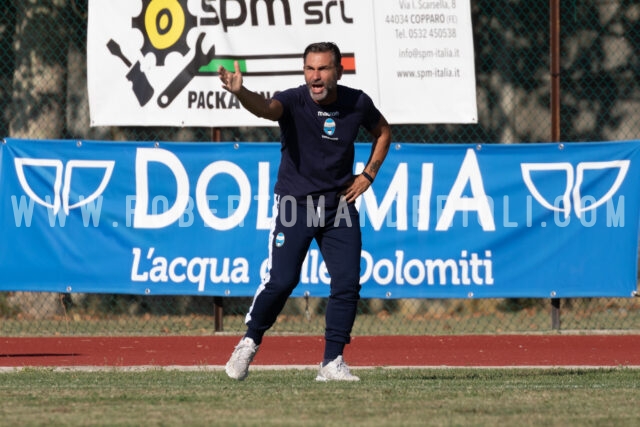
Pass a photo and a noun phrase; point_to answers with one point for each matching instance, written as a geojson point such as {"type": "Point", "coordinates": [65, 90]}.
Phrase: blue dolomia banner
{"type": "Point", "coordinates": [440, 221]}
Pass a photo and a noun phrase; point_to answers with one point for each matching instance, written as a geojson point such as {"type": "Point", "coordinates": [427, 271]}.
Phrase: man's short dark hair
{"type": "Point", "coordinates": [325, 47]}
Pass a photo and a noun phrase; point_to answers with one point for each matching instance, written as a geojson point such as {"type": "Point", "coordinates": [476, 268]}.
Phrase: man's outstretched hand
{"type": "Point", "coordinates": [231, 81]}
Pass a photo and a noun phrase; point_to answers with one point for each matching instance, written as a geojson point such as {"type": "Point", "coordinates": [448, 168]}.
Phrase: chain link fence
{"type": "Point", "coordinates": [43, 94]}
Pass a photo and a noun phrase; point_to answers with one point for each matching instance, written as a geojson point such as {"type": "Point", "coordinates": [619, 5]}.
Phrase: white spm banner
{"type": "Point", "coordinates": [155, 62]}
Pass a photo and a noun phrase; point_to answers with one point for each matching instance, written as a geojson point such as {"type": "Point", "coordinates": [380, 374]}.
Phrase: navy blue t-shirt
{"type": "Point", "coordinates": [318, 142]}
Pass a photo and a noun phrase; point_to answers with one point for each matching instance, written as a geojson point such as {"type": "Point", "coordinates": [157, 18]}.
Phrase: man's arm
{"type": "Point", "coordinates": [254, 102]}
{"type": "Point", "coordinates": [381, 142]}
{"type": "Point", "coordinates": [380, 148]}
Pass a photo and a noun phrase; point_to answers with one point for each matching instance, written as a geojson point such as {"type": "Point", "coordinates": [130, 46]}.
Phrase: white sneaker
{"type": "Point", "coordinates": [336, 370]}
{"type": "Point", "coordinates": [238, 365]}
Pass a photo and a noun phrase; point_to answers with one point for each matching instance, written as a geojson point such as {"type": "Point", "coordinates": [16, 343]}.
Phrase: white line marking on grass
{"type": "Point", "coordinates": [214, 368]}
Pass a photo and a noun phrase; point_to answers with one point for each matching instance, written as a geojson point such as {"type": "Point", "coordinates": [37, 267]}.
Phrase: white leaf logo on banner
{"type": "Point", "coordinates": [62, 184]}
{"type": "Point", "coordinates": [574, 183]}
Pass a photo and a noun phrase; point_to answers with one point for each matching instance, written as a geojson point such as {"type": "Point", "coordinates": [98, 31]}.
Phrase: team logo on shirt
{"type": "Point", "coordinates": [280, 239]}
{"type": "Point", "coordinates": [329, 127]}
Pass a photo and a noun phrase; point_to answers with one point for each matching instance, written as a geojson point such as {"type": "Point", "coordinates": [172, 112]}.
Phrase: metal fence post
{"type": "Point", "coordinates": [218, 302]}
{"type": "Point", "coordinates": [554, 48]}
{"type": "Point", "coordinates": [218, 311]}
{"type": "Point", "coordinates": [555, 314]}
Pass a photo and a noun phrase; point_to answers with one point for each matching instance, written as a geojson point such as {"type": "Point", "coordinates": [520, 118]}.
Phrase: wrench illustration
{"type": "Point", "coordinates": [200, 59]}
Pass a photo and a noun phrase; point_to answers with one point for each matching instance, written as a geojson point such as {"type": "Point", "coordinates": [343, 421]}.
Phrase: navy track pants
{"type": "Point", "coordinates": [337, 232]}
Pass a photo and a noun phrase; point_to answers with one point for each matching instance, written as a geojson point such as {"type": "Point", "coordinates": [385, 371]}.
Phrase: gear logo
{"type": "Point", "coordinates": [164, 25]}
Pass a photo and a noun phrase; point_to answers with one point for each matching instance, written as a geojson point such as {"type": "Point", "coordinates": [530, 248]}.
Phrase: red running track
{"type": "Point", "coordinates": [454, 351]}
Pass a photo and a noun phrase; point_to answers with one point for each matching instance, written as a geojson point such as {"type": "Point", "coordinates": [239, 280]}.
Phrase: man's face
{"type": "Point", "coordinates": [321, 76]}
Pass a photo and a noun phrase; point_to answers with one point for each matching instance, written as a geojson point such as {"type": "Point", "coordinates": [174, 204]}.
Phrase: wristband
{"type": "Point", "coordinates": [366, 175]}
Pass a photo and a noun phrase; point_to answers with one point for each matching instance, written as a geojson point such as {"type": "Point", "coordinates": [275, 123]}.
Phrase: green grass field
{"type": "Point", "coordinates": [384, 397]}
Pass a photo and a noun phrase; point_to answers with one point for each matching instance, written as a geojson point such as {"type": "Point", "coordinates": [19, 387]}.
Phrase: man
{"type": "Point", "coordinates": [314, 199]}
